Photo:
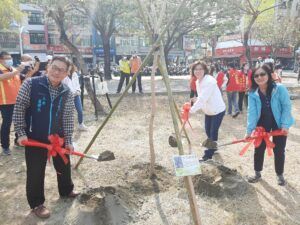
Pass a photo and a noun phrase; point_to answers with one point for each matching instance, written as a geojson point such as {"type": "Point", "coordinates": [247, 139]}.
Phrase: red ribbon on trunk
{"type": "Point", "coordinates": [259, 135]}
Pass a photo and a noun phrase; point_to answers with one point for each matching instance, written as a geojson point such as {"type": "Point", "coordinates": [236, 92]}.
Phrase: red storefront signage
{"type": "Point", "coordinates": [284, 52]}
{"type": "Point", "coordinates": [256, 51]}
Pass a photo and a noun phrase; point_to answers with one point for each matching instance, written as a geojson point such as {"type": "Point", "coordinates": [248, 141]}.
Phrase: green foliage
{"type": "Point", "coordinates": [9, 12]}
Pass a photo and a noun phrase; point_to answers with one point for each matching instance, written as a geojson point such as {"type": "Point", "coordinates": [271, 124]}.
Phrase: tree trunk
{"type": "Point", "coordinates": [167, 51]}
{"type": "Point", "coordinates": [106, 48]}
{"type": "Point", "coordinates": [153, 111]}
{"type": "Point", "coordinates": [246, 39]}
{"type": "Point", "coordinates": [64, 39]}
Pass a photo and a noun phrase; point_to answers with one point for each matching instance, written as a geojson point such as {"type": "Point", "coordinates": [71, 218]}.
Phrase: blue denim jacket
{"type": "Point", "coordinates": [280, 104]}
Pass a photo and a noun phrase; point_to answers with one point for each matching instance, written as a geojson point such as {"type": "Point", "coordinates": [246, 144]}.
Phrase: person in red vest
{"type": "Point", "coordinates": [9, 87]}
{"type": "Point", "coordinates": [221, 79]}
{"type": "Point", "coordinates": [232, 90]}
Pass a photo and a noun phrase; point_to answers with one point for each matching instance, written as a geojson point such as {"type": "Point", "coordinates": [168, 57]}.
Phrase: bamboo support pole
{"type": "Point", "coordinates": [187, 180]}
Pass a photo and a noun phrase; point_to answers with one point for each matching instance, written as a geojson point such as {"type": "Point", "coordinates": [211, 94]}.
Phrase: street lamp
{"type": "Point", "coordinates": [21, 30]}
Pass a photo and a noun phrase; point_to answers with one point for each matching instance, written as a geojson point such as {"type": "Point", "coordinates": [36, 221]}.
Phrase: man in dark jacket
{"type": "Point", "coordinates": [45, 106]}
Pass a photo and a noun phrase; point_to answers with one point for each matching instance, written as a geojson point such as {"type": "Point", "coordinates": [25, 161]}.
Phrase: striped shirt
{"type": "Point", "coordinates": [23, 103]}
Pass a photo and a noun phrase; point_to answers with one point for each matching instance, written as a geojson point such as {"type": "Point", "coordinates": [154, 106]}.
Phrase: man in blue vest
{"type": "Point", "coordinates": [45, 106]}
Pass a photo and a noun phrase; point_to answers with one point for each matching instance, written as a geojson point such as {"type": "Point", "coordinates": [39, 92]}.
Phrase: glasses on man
{"type": "Point", "coordinates": [260, 75]}
{"type": "Point", "coordinates": [57, 69]}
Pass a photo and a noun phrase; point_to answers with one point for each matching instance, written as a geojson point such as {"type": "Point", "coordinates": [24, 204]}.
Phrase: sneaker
{"type": "Point", "coordinates": [82, 127]}
{"type": "Point", "coordinates": [204, 158]}
{"type": "Point", "coordinates": [280, 180]}
{"type": "Point", "coordinates": [41, 211]}
{"type": "Point", "coordinates": [6, 151]}
{"type": "Point", "coordinates": [255, 178]}
{"type": "Point", "coordinates": [141, 92]}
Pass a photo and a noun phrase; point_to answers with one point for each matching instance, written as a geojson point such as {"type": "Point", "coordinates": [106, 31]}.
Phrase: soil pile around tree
{"type": "Point", "coordinates": [218, 181]}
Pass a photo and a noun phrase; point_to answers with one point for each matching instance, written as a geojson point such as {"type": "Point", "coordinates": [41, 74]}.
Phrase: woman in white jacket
{"type": "Point", "coordinates": [210, 101]}
{"type": "Point", "coordinates": [72, 82]}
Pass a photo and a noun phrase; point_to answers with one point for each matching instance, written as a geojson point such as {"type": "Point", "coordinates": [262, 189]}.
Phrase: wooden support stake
{"type": "Point", "coordinates": [187, 180]}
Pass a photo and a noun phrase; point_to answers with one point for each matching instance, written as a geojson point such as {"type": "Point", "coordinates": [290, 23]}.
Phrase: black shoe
{"type": "Point", "coordinates": [255, 178]}
{"type": "Point", "coordinates": [280, 180]}
{"type": "Point", "coordinates": [205, 158]}
{"type": "Point", "coordinates": [235, 115]}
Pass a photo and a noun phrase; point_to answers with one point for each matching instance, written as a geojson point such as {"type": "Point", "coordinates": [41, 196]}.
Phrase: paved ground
{"type": "Point", "coordinates": [181, 84]}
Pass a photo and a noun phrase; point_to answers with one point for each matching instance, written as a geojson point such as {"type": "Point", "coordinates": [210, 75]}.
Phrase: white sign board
{"type": "Point", "coordinates": [186, 165]}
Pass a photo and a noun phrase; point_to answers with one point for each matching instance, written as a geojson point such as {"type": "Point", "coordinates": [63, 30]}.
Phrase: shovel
{"type": "Point", "coordinates": [55, 148]}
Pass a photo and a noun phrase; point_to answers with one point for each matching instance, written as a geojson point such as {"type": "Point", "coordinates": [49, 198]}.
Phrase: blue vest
{"type": "Point", "coordinates": [44, 116]}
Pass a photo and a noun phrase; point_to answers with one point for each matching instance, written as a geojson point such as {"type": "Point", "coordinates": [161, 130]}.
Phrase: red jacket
{"type": "Point", "coordinates": [220, 79]}
{"type": "Point", "coordinates": [233, 80]}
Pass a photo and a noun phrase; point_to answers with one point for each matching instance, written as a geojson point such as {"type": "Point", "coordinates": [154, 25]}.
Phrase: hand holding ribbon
{"type": "Point", "coordinates": [259, 135]}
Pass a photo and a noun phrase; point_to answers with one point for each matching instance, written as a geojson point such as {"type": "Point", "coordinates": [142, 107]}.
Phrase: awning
{"type": "Point", "coordinates": [228, 56]}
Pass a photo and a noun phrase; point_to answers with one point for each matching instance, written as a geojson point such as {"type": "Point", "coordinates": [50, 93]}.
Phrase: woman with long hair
{"type": "Point", "coordinates": [210, 101]}
{"type": "Point", "coordinates": [269, 107]}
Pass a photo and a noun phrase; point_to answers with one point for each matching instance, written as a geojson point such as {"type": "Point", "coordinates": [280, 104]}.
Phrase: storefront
{"type": "Point", "coordinates": [234, 52]}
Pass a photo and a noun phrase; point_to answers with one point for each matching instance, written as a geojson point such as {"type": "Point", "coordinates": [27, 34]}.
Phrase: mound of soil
{"type": "Point", "coordinates": [218, 181]}
{"type": "Point", "coordinates": [140, 181]}
{"type": "Point", "coordinates": [102, 206]}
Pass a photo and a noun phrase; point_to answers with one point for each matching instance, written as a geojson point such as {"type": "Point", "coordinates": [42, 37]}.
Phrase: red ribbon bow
{"type": "Point", "coordinates": [259, 135]}
{"type": "Point", "coordinates": [54, 148]}
{"type": "Point", "coordinates": [185, 111]}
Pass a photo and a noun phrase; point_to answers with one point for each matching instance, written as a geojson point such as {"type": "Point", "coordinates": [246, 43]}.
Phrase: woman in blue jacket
{"type": "Point", "coordinates": [269, 107]}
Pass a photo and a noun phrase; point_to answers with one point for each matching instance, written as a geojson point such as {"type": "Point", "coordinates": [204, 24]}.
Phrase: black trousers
{"type": "Point", "coordinates": [279, 155]}
{"type": "Point", "coordinates": [6, 113]}
{"type": "Point", "coordinates": [36, 160]}
{"type": "Point", "coordinates": [139, 79]}
{"type": "Point", "coordinates": [122, 78]}
{"type": "Point", "coordinates": [241, 100]}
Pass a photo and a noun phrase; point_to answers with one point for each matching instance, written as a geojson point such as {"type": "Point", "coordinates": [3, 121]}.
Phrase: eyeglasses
{"type": "Point", "coordinates": [57, 69]}
{"type": "Point", "coordinates": [260, 75]}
